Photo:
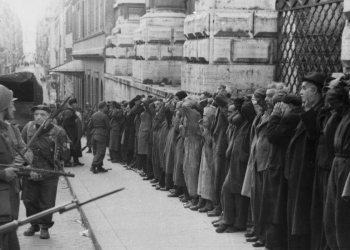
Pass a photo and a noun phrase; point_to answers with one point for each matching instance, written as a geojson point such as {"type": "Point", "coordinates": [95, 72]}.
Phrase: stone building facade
{"type": "Point", "coordinates": [11, 39]}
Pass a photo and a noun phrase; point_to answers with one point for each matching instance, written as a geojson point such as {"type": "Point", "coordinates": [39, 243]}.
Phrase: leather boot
{"type": "Point", "coordinates": [44, 234]}
{"type": "Point", "coordinates": [31, 230]}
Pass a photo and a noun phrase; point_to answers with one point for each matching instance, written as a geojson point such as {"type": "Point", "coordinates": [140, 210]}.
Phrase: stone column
{"type": "Point", "coordinates": [231, 42]}
{"type": "Point", "coordinates": [345, 53]}
{"type": "Point", "coordinates": [120, 51]}
{"type": "Point", "coordinates": [159, 43]}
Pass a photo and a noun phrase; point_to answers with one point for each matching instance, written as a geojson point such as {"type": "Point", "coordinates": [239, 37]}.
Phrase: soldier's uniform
{"type": "Point", "coordinates": [86, 118]}
{"type": "Point", "coordinates": [100, 127]}
{"type": "Point", "coordinates": [49, 147]}
{"type": "Point", "coordinates": [10, 137]}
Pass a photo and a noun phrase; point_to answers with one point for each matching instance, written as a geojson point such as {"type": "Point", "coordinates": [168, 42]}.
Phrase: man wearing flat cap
{"type": "Point", "coordinates": [300, 163]}
{"type": "Point", "coordinates": [39, 193]}
{"type": "Point", "coordinates": [73, 126]}
{"type": "Point", "coordinates": [100, 127]}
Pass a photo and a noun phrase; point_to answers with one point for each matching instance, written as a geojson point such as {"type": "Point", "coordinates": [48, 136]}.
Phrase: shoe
{"type": "Point", "coordinates": [259, 244]}
{"type": "Point", "coordinates": [217, 220]}
{"type": "Point", "coordinates": [173, 195]}
{"type": "Point", "coordinates": [195, 208]}
{"type": "Point", "coordinates": [154, 181]}
{"type": "Point", "coordinates": [94, 170]}
{"type": "Point", "coordinates": [164, 189]}
{"type": "Point", "coordinates": [44, 234]}
{"type": "Point", "coordinates": [158, 187]}
{"type": "Point", "coordinates": [78, 164]}
{"type": "Point", "coordinates": [102, 170]}
{"type": "Point", "coordinates": [172, 191]}
{"type": "Point", "coordinates": [222, 228]}
{"type": "Point", "coordinates": [249, 235]}
{"type": "Point", "coordinates": [234, 229]}
{"type": "Point", "coordinates": [143, 174]}
{"type": "Point", "coordinates": [31, 230]}
{"type": "Point", "coordinates": [146, 179]}
{"type": "Point", "coordinates": [253, 239]}
{"type": "Point", "coordinates": [203, 210]}
{"type": "Point", "coordinates": [181, 196]}
{"type": "Point", "coordinates": [217, 224]}
{"type": "Point", "coordinates": [188, 204]}
{"type": "Point", "coordinates": [213, 213]}
{"type": "Point", "coordinates": [185, 199]}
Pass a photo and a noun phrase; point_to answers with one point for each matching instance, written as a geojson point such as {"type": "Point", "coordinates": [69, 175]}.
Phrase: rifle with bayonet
{"type": "Point", "coordinates": [53, 115]}
{"type": "Point", "coordinates": [13, 225]}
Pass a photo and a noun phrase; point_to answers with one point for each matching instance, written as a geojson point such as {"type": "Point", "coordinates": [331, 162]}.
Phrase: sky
{"type": "Point", "coordinates": [29, 12]}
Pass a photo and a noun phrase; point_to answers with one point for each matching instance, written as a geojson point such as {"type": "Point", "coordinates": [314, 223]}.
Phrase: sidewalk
{"type": "Point", "coordinates": [65, 232]}
{"type": "Point", "coordinates": [141, 217]}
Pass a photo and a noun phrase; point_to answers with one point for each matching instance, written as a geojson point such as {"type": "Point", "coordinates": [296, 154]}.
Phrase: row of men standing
{"type": "Point", "coordinates": [285, 156]}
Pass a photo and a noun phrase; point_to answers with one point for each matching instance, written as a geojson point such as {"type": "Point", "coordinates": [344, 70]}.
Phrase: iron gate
{"type": "Point", "coordinates": [309, 38]}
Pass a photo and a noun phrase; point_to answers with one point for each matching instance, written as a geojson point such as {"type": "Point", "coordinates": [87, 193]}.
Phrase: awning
{"type": "Point", "coordinates": [69, 67]}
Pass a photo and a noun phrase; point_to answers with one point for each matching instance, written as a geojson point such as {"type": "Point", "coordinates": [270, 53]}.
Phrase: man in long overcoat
{"type": "Point", "coordinates": [220, 145]}
{"type": "Point", "coordinates": [88, 112]}
{"type": "Point", "coordinates": [300, 163]}
{"type": "Point", "coordinates": [280, 129]}
{"type": "Point", "coordinates": [117, 118]}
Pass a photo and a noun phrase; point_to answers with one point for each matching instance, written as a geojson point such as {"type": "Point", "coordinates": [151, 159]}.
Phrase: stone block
{"type": "Point", "coordinates": [252, 51]}
{"type": "Point", "coordinates": [166, 4]}
{"type": "Point", "coordinates": [234, 24]}
{"type": "Point", "coordinates": [120, 52]}
{"type": "Point", "coordinates": [202, 25]}
{"type": "Point", "coordinates": [148, 51]}
{"type": "Point", "coordinates": [189, 30]}
{"type": "Point", "coordinates": [124, 40]}
{"type": "Point", "coordinates": [222, 50]}
{"type": "Point", "coordinates": [178, 35]}
{"type": "Point", "coordinates": [265, 23]}
{"type": "Point", "coordinates": [191, 51]}
{"type": "Point", "coordinates": [165, 19]}
{"type": "Point", "coordinates": [157, 70]}
{"type": "Point", "coordinates": [197, 78]}
{"type": "Point", "coordinates": [158, 34]}
{"type": "Point", "coordinates": [205, 5]}
{"type": "Point", "coordinates": [345, 51]}
{"type": "Point", "coordinates": [171, 52]}
{"type": "Point", "coordinates": [131, 53]}
{"type": "Point", "coordinates": [204, 50]}
{"type": "Point", "coordinates": [138, 35]}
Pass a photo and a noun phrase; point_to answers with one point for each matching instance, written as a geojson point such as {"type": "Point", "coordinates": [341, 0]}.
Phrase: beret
{"type": "Point", "coordinates": [279, 96]}
{"type": "Point", "coordinates": [260, 94]}
{"type": "Point", "coordinates": [41, 107]}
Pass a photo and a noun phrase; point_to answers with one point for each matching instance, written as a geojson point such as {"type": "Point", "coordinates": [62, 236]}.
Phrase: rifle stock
{"type": "Point", "coordinates": [13, 225]}
{"type": "Point", "coordinates": [24, 171]}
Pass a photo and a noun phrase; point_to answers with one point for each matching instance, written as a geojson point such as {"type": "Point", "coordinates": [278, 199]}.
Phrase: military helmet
{"type": "Point", "coordinates": [6, 97]}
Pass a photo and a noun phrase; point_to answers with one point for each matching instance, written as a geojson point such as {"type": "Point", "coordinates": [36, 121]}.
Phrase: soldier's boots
{"type": "Point", "coordinates": [44, 234]}
{"type": "Point", "coordinates": [31, 230]}
{"type": "Point", "coordinates": [102, 170]}
{"type": "Point", "coordinates": [94, 170]}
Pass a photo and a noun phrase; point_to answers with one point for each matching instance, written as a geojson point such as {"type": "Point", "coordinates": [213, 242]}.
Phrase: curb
{"type": "Point", "coordinates": [85, 221]}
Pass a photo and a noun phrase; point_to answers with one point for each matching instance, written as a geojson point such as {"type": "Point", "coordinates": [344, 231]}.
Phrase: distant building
{"type": "Point", "coordinates": [11, 39]}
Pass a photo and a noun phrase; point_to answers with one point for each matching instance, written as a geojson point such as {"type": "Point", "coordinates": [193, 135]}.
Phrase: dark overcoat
{"type": "Point", "coordinates": [117, 118]}
{"type": "Point", "coordinates": [274, 196]}
{"type": "Point", "coordinates": [300, 170]}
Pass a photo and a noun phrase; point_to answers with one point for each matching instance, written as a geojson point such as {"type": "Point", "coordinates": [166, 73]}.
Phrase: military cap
{"type": "Point", "coordinates": [73, 100]}
{"type": "Point", "coordinates": [292, 99]}
{"type": "Point", "coordinates": [316, 78]}
{"type": "Point", "coordinates": [101, 105]}
{"type": "Point", "coordinates": [41, 107]}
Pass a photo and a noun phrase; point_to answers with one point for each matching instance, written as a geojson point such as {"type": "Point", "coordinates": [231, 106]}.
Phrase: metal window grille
{"type": "Point", "coordinates": [309, 39]}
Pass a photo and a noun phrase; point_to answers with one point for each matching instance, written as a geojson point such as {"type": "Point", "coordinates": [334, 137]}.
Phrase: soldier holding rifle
{"type": "Point", "coordinates": [49, 148]}
{"type": "Point", "coordinates": [88, 112]}
{"type": "Point", "coordinates": [10, 138]}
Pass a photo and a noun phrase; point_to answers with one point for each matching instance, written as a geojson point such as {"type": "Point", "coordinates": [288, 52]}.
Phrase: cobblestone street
{"type": "Point", "coordinates": [65, 234]}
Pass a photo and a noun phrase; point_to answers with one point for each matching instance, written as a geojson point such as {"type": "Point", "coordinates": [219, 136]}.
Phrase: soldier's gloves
{"type": "Point", "coordinates": [10, 173]}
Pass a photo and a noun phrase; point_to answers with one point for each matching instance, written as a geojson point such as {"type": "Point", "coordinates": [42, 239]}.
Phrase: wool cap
{"type": "Point", "coordinates": [41, 107]}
